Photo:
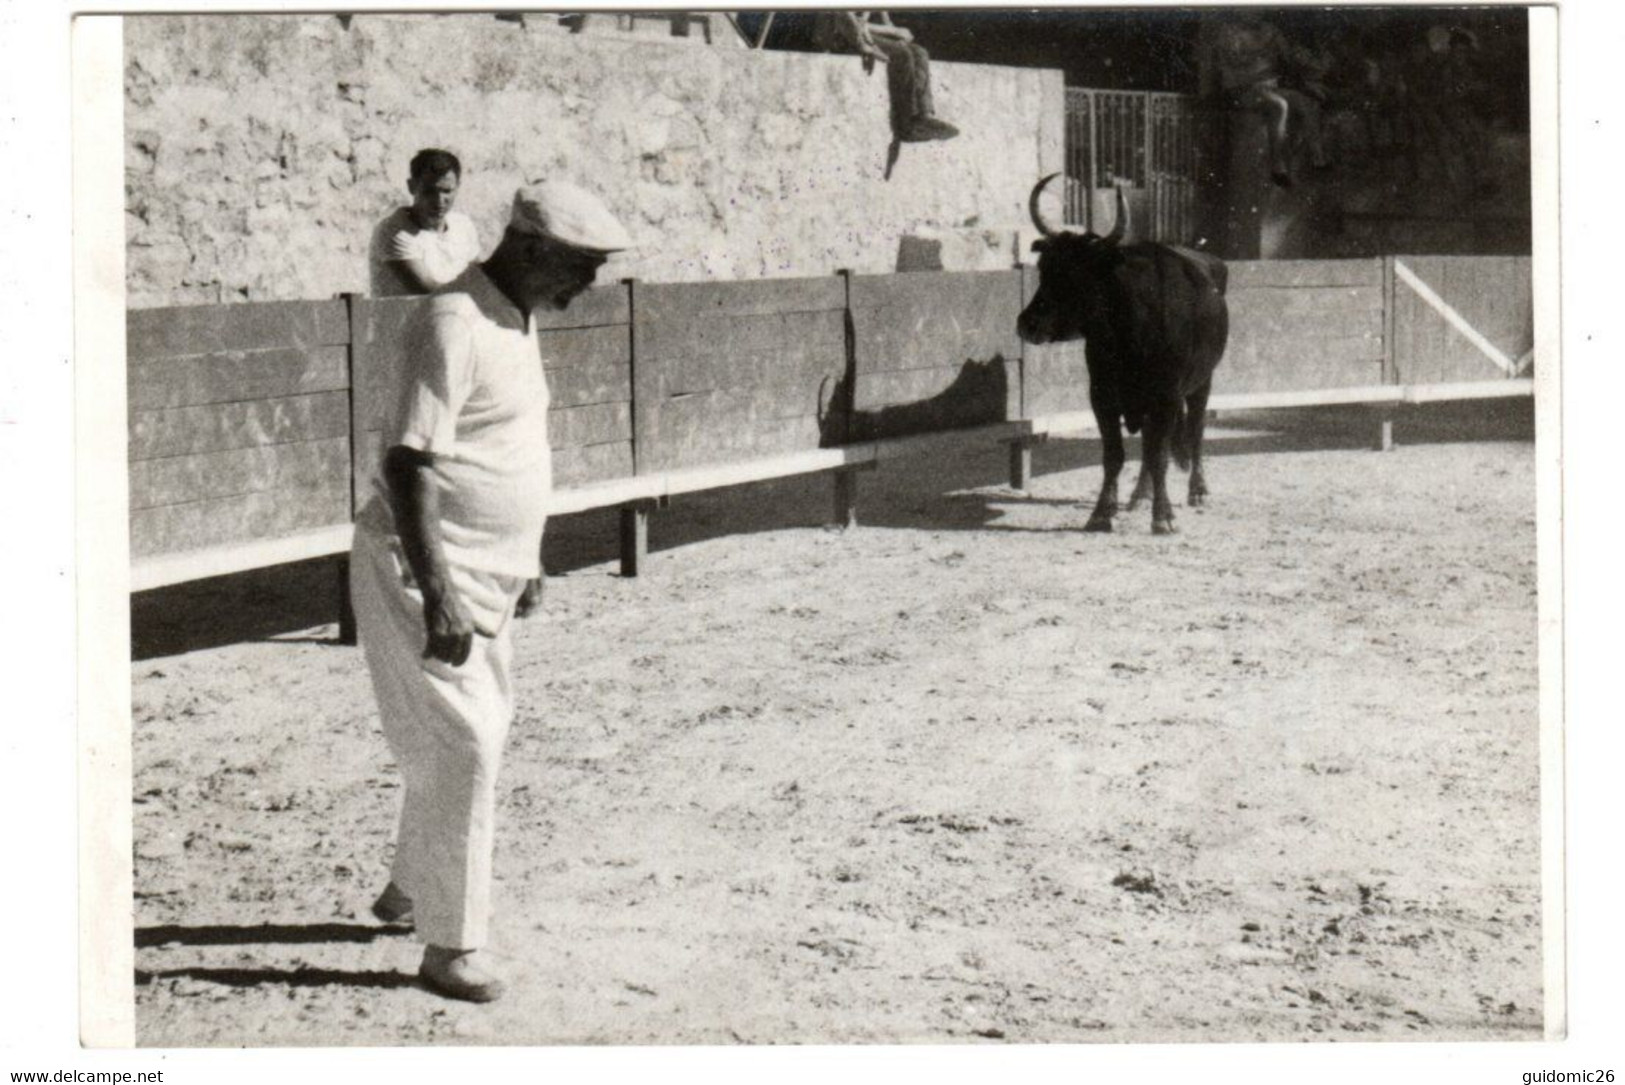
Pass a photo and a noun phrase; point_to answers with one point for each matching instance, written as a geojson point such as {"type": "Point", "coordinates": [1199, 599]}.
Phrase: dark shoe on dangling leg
{"type": "Point", "coordinates": [926, 129]}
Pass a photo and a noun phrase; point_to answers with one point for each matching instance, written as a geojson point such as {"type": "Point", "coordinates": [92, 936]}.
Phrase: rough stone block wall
{"type": "Point", "coordinates": [260, 150]}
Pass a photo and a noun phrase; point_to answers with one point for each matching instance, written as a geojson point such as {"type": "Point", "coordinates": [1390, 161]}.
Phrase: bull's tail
{"type": "Point", "coordinates": [1183, 437]}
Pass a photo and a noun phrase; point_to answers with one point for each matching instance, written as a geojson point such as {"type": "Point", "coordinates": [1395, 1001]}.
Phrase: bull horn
{"type": "Point", "coordinates": [1032, 207]}
{"type": "Point", "coordinates": [1120, 227]}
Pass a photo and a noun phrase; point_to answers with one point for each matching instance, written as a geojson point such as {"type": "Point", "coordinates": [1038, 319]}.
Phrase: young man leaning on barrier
{"type": "Point", "coordinates": [447, 553]}
{"type": "Point", "coordinates": [425, 245]}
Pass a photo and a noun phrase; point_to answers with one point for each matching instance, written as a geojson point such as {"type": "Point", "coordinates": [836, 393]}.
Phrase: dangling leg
{"type": "Point", "coordinates": [919, 76]}
{"type": "Point", "coordinates": [914, 118]}
{"type": "Point", "coordinates": [899, 86]}
{"type": "Point", "coordinates": [1312, 127]}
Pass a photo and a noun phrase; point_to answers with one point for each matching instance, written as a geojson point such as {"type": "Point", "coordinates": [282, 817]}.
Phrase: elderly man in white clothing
{"type": "Point", "coordinates": [447, 552]}
{"type": "Point", "coordinates": [418, 248]}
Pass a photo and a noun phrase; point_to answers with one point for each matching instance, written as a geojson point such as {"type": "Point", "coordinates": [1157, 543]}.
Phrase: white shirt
{"type": "Point", "coordinates": [444, 252]}
{"type": "Point", "coordinates": [475, 397]}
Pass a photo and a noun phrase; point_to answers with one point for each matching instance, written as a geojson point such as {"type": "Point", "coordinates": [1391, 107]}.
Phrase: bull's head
{"type": "Point", "coordinates": [1071, 266]}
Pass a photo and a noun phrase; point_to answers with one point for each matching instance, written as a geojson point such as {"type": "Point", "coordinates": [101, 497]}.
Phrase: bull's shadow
{"type": "Point", "coordinates": [979, 395]}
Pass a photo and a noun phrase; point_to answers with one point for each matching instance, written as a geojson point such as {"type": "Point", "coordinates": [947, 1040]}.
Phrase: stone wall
{"type": "Point", "coordinates": [260, 150]}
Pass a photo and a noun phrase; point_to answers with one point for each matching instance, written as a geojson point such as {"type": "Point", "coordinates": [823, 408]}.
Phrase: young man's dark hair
{"type": "Point", "coordinates": [433, 162]}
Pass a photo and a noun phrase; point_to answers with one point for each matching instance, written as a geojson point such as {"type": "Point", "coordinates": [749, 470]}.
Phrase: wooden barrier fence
{"type": "Point", "coordinates": [239, 441]}
{"type": "Point", "coordinates": [254, 428]}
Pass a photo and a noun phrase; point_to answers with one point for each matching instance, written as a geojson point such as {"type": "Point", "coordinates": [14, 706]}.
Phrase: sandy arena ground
{"type": "Point", "coordinates": [964, 774]}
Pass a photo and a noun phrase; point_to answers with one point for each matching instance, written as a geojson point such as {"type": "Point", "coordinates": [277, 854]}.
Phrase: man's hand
{"type": "Point", "coordinates": [416, 505]}
{"type": "Point", "coordinates": [530, 600]}
{"type": "Point", "coordinates": [858, 32]}
{"type": "Point", "coordinates": [451, 630]}
{"type": "Point", "coordinates": [885, 28]}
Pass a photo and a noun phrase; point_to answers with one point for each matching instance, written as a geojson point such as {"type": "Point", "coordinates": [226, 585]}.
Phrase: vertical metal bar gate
{"type": "Point", "coordinates": [1141, 140]}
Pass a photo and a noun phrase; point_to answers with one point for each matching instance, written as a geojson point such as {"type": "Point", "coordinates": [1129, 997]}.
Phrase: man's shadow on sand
{"type": "Point", "coordinates": [270, 934]}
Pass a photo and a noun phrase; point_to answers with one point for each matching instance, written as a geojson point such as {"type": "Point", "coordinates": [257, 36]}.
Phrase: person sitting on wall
{"type": "Point", "coordinates": [1381, 97]}
{"type": "Point", "coordinates": [1309, 72]}
{"type": "Point", "coordinates": [1245, 59]}
{"type": "Point", "coordinates": [1445, 88]}
{"type": "Point", "coordinates": [872, 35]}
{"type": "Point", "coordinates": [421, 247]}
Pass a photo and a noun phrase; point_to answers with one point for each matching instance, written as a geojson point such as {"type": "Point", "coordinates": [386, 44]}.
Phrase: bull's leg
{"type": "Point", "coordinates": [1159, 425]}
{"type": "Point", "coordinates": [1195, 427]}
{"type": "Point", "coordinates": [1142, 481]}
{"type": "Point", "coordinates": [1110, 424]}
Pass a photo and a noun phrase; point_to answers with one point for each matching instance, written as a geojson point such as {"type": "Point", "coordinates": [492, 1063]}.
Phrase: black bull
{"type": "Point", "coordinates": [1154, 323]}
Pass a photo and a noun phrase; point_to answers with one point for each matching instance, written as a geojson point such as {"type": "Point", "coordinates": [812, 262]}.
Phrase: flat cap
{"type": "Point", "coordinates": [569, 214]}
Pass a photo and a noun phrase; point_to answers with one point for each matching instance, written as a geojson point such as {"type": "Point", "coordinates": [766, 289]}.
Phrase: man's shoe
{"type": "Point", "coordinates": [925, 129]}
{"type": "Point", "coordinates": [393, 906]}
{"type": "Point", "coordinates": [459, 974]}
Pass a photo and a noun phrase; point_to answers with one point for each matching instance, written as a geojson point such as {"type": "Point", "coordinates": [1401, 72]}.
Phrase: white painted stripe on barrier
{"type": "Point", "coordinates": [1371, 395]}
{"type": "Point", "coordinates": [1456, 393]}
{"type": "Point", "coordinates": [1526, 362]}
{"type": "Point", "coordinates": [162, 570]}
{"type": "Point", "coordinates": [1320, 397]}
{"type": "Point", "coordinates": [1455, 319]}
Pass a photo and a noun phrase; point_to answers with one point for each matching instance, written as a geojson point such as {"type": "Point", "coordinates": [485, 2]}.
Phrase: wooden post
{"type": "Point", "coordinates": [347, 630]}
{"type": "Point", "coordinates": [643, 389]}
{"type": "Point", "coordinates": [846, 479]}
{"type": "Point", "coordinates": [1390, 367]}
{"type": "Point", "coordinates": [1385, 429]}
{"type": "Point", "coordinates": [1021, 464]}
{"type": "Point", "coordinates": [846, 498]}
{"type": "Point", "coordinates": [634, 535]}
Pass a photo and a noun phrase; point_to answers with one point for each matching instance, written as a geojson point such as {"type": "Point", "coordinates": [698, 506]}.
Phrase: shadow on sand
{"type": "Point", "coordinates": [288, 934]}
{"type": "Point", "coordinates": [284, 934]}
{"type": "Point", "coordinates": [288, 602]}
{"type": "Point", "coordinates": [291, 977]}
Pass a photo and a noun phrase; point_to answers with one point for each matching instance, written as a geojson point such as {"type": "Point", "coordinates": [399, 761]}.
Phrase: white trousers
{"type": "Point", "coordinates": [446, 727]}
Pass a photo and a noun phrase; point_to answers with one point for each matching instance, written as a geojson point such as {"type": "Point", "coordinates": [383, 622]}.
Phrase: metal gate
{"type": "Point", "coordinates": [1144, 141]}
